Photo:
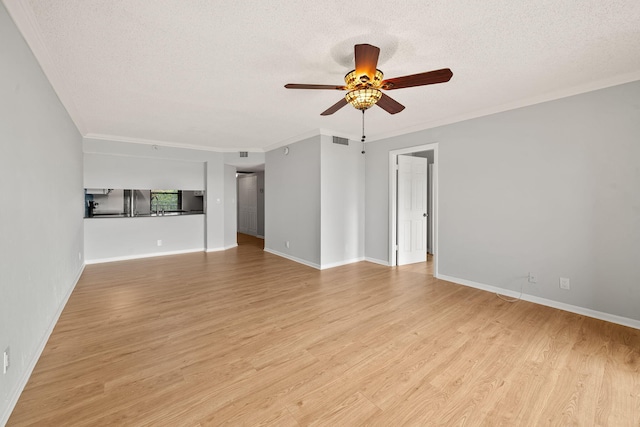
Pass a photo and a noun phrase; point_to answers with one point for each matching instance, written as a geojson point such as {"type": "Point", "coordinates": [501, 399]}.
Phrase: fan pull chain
{"type": "Point", "coordinates": [363, 137]}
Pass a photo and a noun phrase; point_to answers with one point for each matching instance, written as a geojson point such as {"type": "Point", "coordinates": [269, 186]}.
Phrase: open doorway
{"type": "Point", "coordinates": [250, 209]}
{"type": "Point", "coordinates": [409, 227]}
{"type": "Point", "coordinates": [429, 155]}
{"type": "Point", "coordinates": [247, 240]}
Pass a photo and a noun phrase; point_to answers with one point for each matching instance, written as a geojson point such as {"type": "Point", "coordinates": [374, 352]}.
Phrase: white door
{"type": "Point", "coordinates": [430, 209]}
{"type": "Point", "coordinates": [412, 210]}
{"type": "Point", "coordinates": [248, 204]}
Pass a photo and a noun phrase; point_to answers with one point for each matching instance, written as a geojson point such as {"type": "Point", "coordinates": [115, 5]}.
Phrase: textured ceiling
{"type": "Point", "coordinates": [210, 74]}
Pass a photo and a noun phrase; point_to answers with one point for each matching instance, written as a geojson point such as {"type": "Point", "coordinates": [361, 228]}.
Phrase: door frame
{"type": "Point", "coordinates": [393, 198]}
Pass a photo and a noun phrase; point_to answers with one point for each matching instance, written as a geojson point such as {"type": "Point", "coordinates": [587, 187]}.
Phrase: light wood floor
{"type": "Point", "coordinates": [247, 338]}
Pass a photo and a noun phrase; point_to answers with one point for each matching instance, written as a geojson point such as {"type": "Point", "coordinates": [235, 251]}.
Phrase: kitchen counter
{"type": "Point", "coordinates": [101, 215]}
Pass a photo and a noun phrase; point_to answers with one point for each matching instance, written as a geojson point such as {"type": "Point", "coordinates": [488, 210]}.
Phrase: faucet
{"type": "Point", "coordinates": [154, 197]}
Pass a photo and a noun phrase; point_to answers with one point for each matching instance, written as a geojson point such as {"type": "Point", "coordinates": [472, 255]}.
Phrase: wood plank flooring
{"type": "Point", "coordinates": [243, 337]}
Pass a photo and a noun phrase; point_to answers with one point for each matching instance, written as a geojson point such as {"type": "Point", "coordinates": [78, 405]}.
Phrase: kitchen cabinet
{"type": "Point", "coordinates": [97, 191]}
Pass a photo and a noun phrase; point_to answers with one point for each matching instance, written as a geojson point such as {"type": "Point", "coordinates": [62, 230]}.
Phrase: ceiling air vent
{"type": "Point", "coordinates": [244, 154]}
{"type": "Point", "coordinates": [341, 141]}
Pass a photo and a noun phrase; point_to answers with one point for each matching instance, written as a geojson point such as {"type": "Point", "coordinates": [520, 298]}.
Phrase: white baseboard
{"type": "Point", "coordinates": [624, 321]}
{"type": "Point", "coordinates": [377, 261]}
{"type": "Point", "coordinates": [340, 263]}
{"type": "Point", "coordinates": [312, 264]}
{"type": "Point", "coordinates": [224, 248]}
{"type": "Point", "coordinates": [138, 256]}
{"type": "Point", "coordinates": [15, 395]}
{"type": "Point", "coordinates": [292, 258]}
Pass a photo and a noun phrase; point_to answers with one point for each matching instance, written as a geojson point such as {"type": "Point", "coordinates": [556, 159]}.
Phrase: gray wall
{"type": "Point", "coordinates": [261, 191]}
{"type": "Point", "coordinates": [145, 166]}
{"type": "Point", "coordinates": [315, 200]}
{"type": "Point", "coordinates": [114, 201]}
{"type": "Point", "coordinates": [251, 162]}
{"type": "Point", "coordinates": [120, 171]}
{"type": "Point", "coordinates": [292, 204]}
{"type": "Point", "coordinates": [550, 189]}
{"type": "Point", "coordinates": [342, 202]}
{"type": "Point", "coordinates": [230, 207]}
{"type": "Point", "coordinates": [108, 239]}
{"type": "Point", "coordinates": [426, 154]}
{"type": "Point", "coordinates": [113, 239]}
{"type": "Point", "coordinates": [191, 202]}
{"type": "Point", "coordinates": [40, 212]}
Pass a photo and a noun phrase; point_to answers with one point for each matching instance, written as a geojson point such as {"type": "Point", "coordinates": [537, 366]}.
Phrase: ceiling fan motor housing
{"type": "Point", "coordinates": [354, 81]}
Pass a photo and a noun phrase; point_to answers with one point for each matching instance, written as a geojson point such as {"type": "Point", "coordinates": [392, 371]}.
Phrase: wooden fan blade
{"type": "Point", "coordinates": [421, 79]}
{"type": "Point", "coordinates": [389, 104]}
{"type": "Point", "coordinates": [366, 60]}
{"type": "Point", "coordinates": [335, 107]}
{"type": "Point", "coordinates": [304, 86]}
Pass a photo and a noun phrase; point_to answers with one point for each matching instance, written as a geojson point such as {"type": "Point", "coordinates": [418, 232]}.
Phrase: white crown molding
{"type": "Point", "coordinates": [159, 143]}
{"type": "Point", "coordinates": [142, 141]}
{"type": "Point", "coordinates": [170, 144]}
{"type": "Point", "coordinates": [25, 20]}
{"type": "Point", "coordinates": [309, 134]}
{"type": "Point", "coordinates": [293, 139]}
{"type": "Point", "coordinates": [538, 99]}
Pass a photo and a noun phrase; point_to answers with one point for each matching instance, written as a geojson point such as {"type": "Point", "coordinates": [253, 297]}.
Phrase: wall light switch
{"type": "Point", "coordinates": [6, 361]}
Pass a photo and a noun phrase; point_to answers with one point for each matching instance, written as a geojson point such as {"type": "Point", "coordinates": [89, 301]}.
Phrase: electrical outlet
{"type": "Point", "coordinates": [565, 283]}
{"type": "Point", "coordinates": [286, 243]}
{"type": "Point", "coordinates": [159, 242]}
{"type": "Point", "coordinates": [6, 361]}
{"type": "Point", "coordinates": [533, 278]}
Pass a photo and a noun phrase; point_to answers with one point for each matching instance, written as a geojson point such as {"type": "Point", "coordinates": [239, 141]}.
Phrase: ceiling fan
{"type": "Point", "coordinates": [365, 83]}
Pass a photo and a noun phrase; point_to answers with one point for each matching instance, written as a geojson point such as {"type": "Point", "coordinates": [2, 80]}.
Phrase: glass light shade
{"type": "Point", "coordinates": [377, 79]}
{"type": "Point", "coordinates": [362, 99]}
{"type": "Point", "coordinates": [352, 81]}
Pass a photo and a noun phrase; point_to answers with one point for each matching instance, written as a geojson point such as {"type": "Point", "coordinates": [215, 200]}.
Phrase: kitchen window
{"type": "Point", "coordinates": [166, 200]}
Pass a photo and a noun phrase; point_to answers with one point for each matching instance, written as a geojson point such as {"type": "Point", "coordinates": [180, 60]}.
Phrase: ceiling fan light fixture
{"type": "Point", "coordinates": [361, 99]}
{"type": "Point", "coordinates": [353, 80]}
{"type": "Point", "coordinates": [363, 84]}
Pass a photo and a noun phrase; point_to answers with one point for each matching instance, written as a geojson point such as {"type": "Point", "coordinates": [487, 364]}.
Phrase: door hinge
{"type": "Point", "coordinates": [397, 248]}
